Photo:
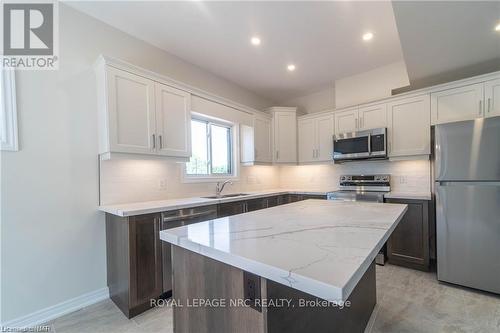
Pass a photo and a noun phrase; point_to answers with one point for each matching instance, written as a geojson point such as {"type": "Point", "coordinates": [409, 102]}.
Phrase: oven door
{"type": "Point", "coordinates": [350, 146]}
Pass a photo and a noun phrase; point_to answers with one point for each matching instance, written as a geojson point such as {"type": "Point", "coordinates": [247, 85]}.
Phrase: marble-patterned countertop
{"type": "Point", "coordinates": [148, 207]}
{"type": "Point", "coordinates": [320, 247]}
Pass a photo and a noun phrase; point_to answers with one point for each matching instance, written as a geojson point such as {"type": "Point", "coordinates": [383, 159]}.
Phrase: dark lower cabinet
{"type": "Point", "coordinates": [313, 196]}
{"type": "Point", "coordinates": [409, 244]}
{"type": "Point", "coordinates": [294, 197]}
{"type": "Point", "coordinates": [231, 208]}
{"type": "Point", "coordinates": [256, 204]}
{"type": "Point", "coordinates": [134, 261]}
{"type": "Point", "coordinates": [273, 201]}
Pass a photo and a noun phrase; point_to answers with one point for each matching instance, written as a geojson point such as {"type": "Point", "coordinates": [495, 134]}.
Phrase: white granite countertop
{"type": "Point", "coordinates": [320, 247]}
{"type": "Point", "coordinates": [148, 207]}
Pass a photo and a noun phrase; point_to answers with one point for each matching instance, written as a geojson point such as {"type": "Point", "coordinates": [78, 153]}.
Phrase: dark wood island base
{"type": "Point", "coordinates": [199, 279]}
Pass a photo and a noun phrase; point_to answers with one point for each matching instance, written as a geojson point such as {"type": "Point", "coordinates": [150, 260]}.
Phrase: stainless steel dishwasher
{"type": "Point", "coordinates": [174, 219]}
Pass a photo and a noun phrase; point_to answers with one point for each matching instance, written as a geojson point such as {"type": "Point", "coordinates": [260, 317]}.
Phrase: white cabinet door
{"type": "Point", "coordinates": [307, 140]}
{"type": "Point", "coordinates": [409, 126]}
{"type": "Point", "coordinates": [346, 121]}
{"type": "Point", "coordinates": [247, 144]}
{"type": "Point", "coordinates": [462, 103]}
{"type": "Point", "coordinates": [131, 112]}
{"type": "Point", "coordinates": [324, 133]}
{"type": "Point", "coordinates": [173, 121]}
{"type": "Point", "coordinates": [285, 137]}
{"type": "Point", "coordinates": [262, 140]}
{"type": "Point", "coordinates": [492, 98]}
{"type": "Point", "coordinates": [373, 116]}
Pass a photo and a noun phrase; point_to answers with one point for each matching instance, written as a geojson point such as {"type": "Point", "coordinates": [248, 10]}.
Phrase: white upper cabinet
{"type": "Point", "coordinates": [324, 130]}
{"type": "Point", "coordinates": [173, 121]}
{"type": "Point", "coordinates": [255, 141]}
{"type": "Point", "coordinates": [372, 116]}
{"type": "Point", "coordinates": [131, 113]}
{"type": "Point", "coordinates": [316, 138]}
{"type": "Point", "coordinates": [284, 134]}
{"type": "Point", "coordinates": [462, 103]}
{"type": "Point", "coordinates": [140, 116]}
{"type": "Point", "coordinates": [409, 126]}
{"type": "Point", "coordinates": [307, 140]}
{"type": "Point", "coordinates": [263, 142]}
{"type": "Point", "coordinates": [346, 121]}
{"type": "Point", "coordinates": [492, 98]}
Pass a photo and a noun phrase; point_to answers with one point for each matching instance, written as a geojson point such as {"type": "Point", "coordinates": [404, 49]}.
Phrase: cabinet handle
{"type": "Point", "coordinates": [361, 121]}
{"type": "Point", "coordinates": [161, 141]}
{"type": "Point", "coordinates": [489, 104]}
{"type": "Point", "coordinates": [356, 123]}
{"type": "Point", "coordinates": [255, 153]}
{"type": "Point", "coordinates": [480, 106]}
{"type": "Point", "coordinates": [277, 154]}
{"type": "Point", "coordinates": [154, 141]}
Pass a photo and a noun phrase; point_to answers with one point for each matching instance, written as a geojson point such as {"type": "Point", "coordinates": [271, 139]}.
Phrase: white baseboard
{"type": "Point", "coordinates": [58, 310]}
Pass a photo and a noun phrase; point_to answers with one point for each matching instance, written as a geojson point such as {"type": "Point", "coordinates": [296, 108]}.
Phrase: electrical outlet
{"type": "Point", "coordinates": [162, 184]}
{"type": "Point", "coordinates": [403, 180]}
{"type": "Point", "coordinates": [251, 290]}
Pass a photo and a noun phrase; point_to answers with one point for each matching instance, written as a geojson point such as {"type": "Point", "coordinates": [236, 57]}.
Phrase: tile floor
{"type": "Point", "coordinates": [408, 301]}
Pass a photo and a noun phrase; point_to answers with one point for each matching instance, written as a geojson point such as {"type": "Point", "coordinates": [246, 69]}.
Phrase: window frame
{"type": "Point", "coordinates": [8, 110]}
{"type": "Point", "coordinates": [232, 152]}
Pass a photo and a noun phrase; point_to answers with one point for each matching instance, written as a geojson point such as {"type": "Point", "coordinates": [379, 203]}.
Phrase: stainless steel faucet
{"type": "Point", "coordinates": [219, 187]}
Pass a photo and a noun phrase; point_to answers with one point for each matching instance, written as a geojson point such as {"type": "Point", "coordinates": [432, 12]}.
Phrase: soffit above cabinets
{"type": "Point", "coordinates": [444, 41]}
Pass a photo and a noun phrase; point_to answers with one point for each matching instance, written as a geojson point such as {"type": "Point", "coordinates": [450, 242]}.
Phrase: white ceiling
{"type": "Point", "coordinates": [323, 39]}
{"type": "Point", "coordinates": [442, 36]}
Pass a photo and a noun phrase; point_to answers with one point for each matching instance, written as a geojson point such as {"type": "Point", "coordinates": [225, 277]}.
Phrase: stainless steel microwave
{"type": "Point", "coordinates": [369, 144]}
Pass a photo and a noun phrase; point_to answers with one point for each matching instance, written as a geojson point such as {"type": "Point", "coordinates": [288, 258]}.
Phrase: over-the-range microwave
{"type": "Point", "coordinates": [369, 144]}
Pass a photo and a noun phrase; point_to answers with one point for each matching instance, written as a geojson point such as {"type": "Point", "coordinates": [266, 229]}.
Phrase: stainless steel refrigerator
{"type": "Point", "coordinates": [467, 187]}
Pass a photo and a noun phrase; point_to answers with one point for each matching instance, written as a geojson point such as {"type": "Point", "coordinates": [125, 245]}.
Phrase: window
{"type": "Point", "coordinates": [211, 144]}
{"type": "Point", "coordinates": [8, 113]}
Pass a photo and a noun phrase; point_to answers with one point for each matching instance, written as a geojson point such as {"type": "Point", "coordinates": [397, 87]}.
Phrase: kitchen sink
{"type": "Point", "coordinates": [226, 196]}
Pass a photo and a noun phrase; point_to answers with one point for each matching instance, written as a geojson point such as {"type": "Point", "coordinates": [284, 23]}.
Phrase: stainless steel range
{"type": "Point", "coordinates": [362, 188]}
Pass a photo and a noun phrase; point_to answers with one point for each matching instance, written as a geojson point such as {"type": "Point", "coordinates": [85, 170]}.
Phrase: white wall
{"type": "Point", "coordinates": [52, 237]}
{"type": "Point", "coordinates": [321, 100]}
{"type": "Point", "coordinates": [415, 175]}
{"type": "Point", "coordinates": [371, 85]}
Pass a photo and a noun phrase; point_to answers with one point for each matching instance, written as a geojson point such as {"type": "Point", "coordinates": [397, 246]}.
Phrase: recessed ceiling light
{"type": "Point", "coordinates": [290, 67]}
{"type": "Point", "coordinates": [497, 27]}
{"type": "Point", "coordinates": [255, 41]}
{"type": "Point", "coordinates": [368, 36]}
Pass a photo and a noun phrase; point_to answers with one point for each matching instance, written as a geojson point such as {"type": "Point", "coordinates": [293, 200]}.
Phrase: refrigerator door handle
{"type": "Point", "coordinates": [471, 183]}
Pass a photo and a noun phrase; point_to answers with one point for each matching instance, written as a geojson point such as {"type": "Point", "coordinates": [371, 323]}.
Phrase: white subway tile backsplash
{"type": "Point", "coordinates": [124, 181]}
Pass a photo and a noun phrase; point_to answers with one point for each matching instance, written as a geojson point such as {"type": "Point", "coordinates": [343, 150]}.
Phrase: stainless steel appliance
{"type": "Point", "coordinates": [467, 187]}
{"type": "Point", "coordinates": [178, 218]}
{"type": "Point", "coordinates": [369, 144]}
{"type": "Point", "coordinates": [363, 188]}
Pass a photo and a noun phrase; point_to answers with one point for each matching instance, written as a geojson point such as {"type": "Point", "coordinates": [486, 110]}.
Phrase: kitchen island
{"type": "Point", "coordinates": [302, 266]}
